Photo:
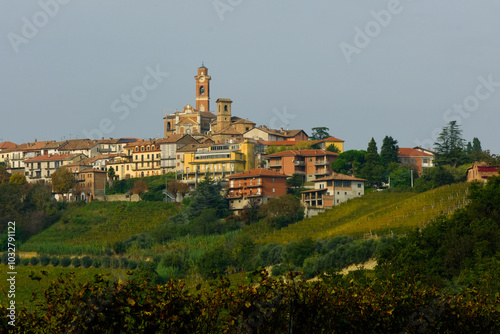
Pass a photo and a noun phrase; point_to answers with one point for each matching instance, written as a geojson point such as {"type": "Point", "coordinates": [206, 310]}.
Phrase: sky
{"type": "Point", "coordinates": [74, 69]}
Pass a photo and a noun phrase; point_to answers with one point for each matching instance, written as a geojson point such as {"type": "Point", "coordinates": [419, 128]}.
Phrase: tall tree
{"type": "Point", "coordinates": [319, 133]}
{"type": "Point", "coordinates": [450, 146]}
{"type": "Point", "coordinates": [63, 181]}
{"type": "Point", "coordinates": [4, 175]}
{"type": "Point", "coordinates": [111, 176]}
{"type": "Point", "coordinates": [350, 162]}
{"type": "Point", "coordinates": [389, 151]}
{"type": "Point", "coordinates": [476, 151]}
{"type": "Point", "coordinates": [373, 170]}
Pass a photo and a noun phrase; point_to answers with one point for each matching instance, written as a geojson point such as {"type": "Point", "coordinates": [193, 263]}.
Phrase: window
{"type": "Point", "coordinates": [273, 182]}
{"type": "Point", "coordinates": [359, 185]}
{"type": "Point", "coordinates": [346, 184]}
{"type": "Point", "coordinates": [338, 183]}
{"type": "Point", "coordinates": [412, 160]}
{"type": "Point", "coordinates": [128, 167]}
{"type": "Point", "coordinates": [152, 148]}
{"type": "Point", "coordinates": [345, 193]}
{"type": "Point", "coordinates": [202, 90]}
{"type": "Point", "coordinates": [147, 157]}
{"type": "Point", "coordinates": [338, 192]}
{"type": "Point", "coordinates": [273, 190]}
{"type": "Point", "coordinates": [136, 149]}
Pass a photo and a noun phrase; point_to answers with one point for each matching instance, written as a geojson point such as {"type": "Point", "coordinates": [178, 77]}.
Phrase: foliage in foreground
{"type": "Point", "coordinates": [265, 305]}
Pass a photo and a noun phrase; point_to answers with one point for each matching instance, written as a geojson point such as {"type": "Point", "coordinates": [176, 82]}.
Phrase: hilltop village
{"type": "Point", "coordinates": [199, 141]}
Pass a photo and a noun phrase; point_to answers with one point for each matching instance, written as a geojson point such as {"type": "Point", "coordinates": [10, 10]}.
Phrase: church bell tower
{"type": "Point", "coordinates": [203, 89]}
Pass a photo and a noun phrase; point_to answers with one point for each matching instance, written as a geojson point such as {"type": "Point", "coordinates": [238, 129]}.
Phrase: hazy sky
{"type": "Point", "coordinates": [361, 68]}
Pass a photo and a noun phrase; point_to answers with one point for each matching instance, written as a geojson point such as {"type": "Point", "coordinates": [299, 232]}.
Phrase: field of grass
{"type": "Point", "coordinates": [25, 286]}
{"type": "Point", "coordinates": [90, 228]}
{"type": "Point", "coordinates": [374, 213]}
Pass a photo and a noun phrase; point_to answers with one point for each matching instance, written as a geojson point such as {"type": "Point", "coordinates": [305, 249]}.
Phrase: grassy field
{"type": "Point", "coordinates": [375, 213]}
{"type": "Point", "coordinates": [90, 228]}
{"type": "Point", "coordinates": [25, 286]}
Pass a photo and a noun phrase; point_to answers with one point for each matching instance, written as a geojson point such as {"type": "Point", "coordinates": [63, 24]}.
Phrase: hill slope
{"type": "Point", "coordinates": [374, 213]}
{"type": "Point", "coordinates": [88, 229]}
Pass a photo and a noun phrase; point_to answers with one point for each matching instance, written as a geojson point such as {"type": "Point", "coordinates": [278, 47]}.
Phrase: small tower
{"type": "Point", "coordinates": [223, 113]}
{"type": "Point", "coordinates": [203, 89]}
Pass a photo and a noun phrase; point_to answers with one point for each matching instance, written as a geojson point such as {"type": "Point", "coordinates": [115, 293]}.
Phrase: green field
{"type": "Point", "coordinates": [25, 286]}
{"type": "Point", "coordinates": [91, 228]}
{"type": "Point", "coordinates": [374, 213]}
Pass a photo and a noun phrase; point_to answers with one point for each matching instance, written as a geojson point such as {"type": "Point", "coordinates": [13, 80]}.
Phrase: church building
{"type": "Point", "coordinates": [200, 121]}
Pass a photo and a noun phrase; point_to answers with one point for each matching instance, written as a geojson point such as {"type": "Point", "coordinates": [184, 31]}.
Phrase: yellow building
{"type": "Point", "coordinates": [219, 161]}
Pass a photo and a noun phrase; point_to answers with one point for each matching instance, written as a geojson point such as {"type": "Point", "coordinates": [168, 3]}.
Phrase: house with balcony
{"type": "Point", "coordinates": [15, 157]}
{"type": "Point", "coordinates": [331, 191]}
{"type": "Point", "coordinates": [41, 168]}
{"type": "Point", "coordinates": [312, 164]}
{"type": "Point", "coordinates": [417, 158]}
{"type": "Point", "coordinates": [257, 185]}
{"type": "Point", "coordinates": [169, 147]}
{"type": "Point", "coordinates": [143, 158]}
{"type": "Point", "coordinates": [218, 161]}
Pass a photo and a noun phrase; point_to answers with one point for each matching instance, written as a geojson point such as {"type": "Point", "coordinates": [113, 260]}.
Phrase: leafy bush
{"type": "Point", "coordinates": [54, 261]}
{"type": "Point", "coordinates": [76, 262]}
{"type": "Point", "coordinates": [25, 262]}
{"type": "Point", "coordinates": [96, 263]}
{"type": "Point", "coordinates": [34, 261]}
{"type": "Point", "coordinates": [115, 263]}
{"type": "Point", "coordinates": [86, 261]}
{"type": "Point", "coordinates": [270, 254]}
{"type": "Point", "coordinates": [132, 264]}
{"type": "Point", "coordinates": [297, 252]}
{"type": "Point", "coordinates": [106, 262]}
{"type": "Point", "coordinates": [123, 263]}
{"type": "Point", "coordinates": [65, 262]}
{"type": "Point", "coordinates": [44, 260]}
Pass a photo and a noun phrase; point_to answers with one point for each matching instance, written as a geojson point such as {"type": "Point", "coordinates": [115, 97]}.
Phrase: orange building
{"type": "Point", "coordinates": [313, 164]}
{"type": "Point", "coordinates": [259, 184]}
{"type": "Point", "coordinates": [481, 171]}
{"type": "Point", "coordinates": [416, 158]}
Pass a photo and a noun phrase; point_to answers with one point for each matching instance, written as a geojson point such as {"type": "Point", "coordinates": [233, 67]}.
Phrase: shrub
{"type": "Point", "coordinates": [96, 263]}
{"type": "Point", "coordinates": [34, 261]}
{"type": "Point", "coordinates": [123, 263]}
{"type": "Point", "coordinates": [54, 261]}
{"type": "Point", "coordinates": [65, 261]}
{"type": "Point", "coordinates": [115, 263]}
{"type": "Point", "coordinates": [44, 260]}
{"type": "Point", "coordinates": [86, 261]}
{"type": "Point", "coordinates": [270, 254]}
{"type": "Point", "coordinates": [132, 264]}
{"type": "Point", "coordinates": [25, 262]}
{"type": "Point", "coordinates": [106, 262]}
{"type": "Point", "coordinates": [76, 262]}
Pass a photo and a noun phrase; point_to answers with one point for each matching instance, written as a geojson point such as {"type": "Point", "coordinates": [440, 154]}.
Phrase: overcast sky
{"type": "Point", "coordinates": [71, 69]}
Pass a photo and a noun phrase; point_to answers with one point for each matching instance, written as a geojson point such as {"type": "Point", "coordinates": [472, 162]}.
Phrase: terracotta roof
{"type": "Point", "coordinates": [6, 145]}
{"type": "Point", "coordinates": [207, 114]}
{"type": "Point", "coordinates": [257, 172]}
{"type": "Point", "coordinates": [302, 152]}
{"type": "Point", "coordinates": [338, 176]}
{"type": "Point", "coordinates": [51, 157]}
{"type": "Point", "coordinates": [278, 142]}
{"type": "Point", "coordinates": [243, 121]}
{"type": "Point", "coordinates": [192, 147]}
{"type": "Point", "coordinates": [331, 139]}
{"type": "Point", "coordinates": [488, 169]}
{"type": "Point", "coordinates": [146, 143]}
{"type": "Point", "coordinates": [282, 133]}
{"type": "Point", "coordinates": [173, 138]}
{"type": "Point", "coordinates": [411, 152]}
{"type": "Point", "coordinates": [38, 145]}
{"type": "Point", "coordinates": [229, 130]}
{"type": "Point", "coordinates": [79, 144]}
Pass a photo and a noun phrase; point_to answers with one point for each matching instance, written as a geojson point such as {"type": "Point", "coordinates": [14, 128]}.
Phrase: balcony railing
{"type": "Point", "coordinates": [299, 163]}
{"type": "Point", "coordinates": [320, 162]}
